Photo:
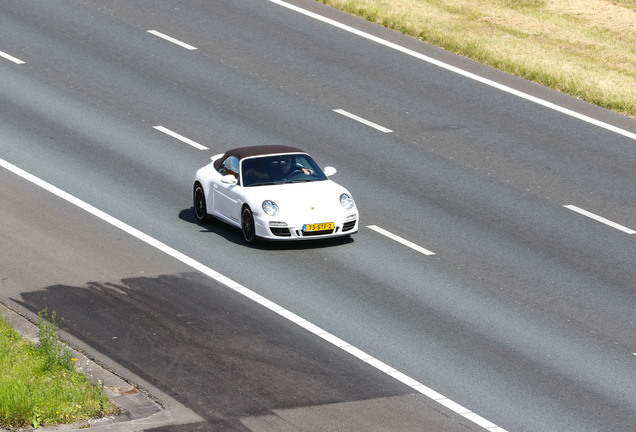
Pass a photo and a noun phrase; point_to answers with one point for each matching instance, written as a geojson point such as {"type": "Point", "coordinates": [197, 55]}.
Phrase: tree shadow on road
{"type": "Point", "coordinates": [210, 348]}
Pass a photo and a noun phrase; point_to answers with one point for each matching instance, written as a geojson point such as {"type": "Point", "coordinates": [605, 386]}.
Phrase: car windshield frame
{"type": "Point", "coordinates": [264, 170]}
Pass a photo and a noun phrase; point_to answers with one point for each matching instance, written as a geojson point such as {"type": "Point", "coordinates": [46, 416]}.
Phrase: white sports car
{"type": "Point", "coordinates": [274, 192]}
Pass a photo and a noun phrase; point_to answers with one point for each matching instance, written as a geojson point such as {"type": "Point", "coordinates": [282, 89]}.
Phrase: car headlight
{"type": "Point", "coordinates": [346, 200]}
{"type": "Point", "coordinates": [270, 207]}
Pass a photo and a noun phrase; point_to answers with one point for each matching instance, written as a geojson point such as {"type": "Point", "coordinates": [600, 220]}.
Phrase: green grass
{"type": "Point", "coordinates": [586, 48]}
{"type": "Point", "coordinates": [39, 385]}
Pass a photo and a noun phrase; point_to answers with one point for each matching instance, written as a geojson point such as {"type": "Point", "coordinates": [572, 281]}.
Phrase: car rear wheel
{"type": "Point", "coordinates": [247, 224]}
{"type": "Point", "coordinates": [198, 201]}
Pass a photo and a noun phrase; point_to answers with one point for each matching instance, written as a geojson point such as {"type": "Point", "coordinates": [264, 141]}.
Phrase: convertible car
{"type": "Point", "coordinates": [274, 192]}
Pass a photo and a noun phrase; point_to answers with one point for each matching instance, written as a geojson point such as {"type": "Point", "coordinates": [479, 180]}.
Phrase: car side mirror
{"type": "Point", "coordinates": [229, 179]}
{"type": "Point", "coordinates": [329, 171]}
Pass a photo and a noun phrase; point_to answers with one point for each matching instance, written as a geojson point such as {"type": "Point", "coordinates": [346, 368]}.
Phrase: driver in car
{"type": "Point", "coordinates": [287, 167]}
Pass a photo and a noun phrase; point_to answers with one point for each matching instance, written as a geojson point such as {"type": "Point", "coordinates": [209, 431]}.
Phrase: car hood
{"type": "Point", "coordinates": [294, 198]}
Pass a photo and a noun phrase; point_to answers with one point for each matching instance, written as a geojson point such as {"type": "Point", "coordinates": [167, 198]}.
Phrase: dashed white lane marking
{"type": "Point", "coordinates": [600, 219]}
{"type": "Point", "coordinates": [11, 58]}
{"type": "Point", "coordinates": [415, 385]}
{"type": "Point", "coordinates": [362, 120]}
{"type": "Point", "coordinates": [401, 240]}
{"type": "Point", "coordinates": [180, 137]}
{"type": "Point", "coordinates": [457, 70]}
{"type": "Point", "coordinates": [171, 39]}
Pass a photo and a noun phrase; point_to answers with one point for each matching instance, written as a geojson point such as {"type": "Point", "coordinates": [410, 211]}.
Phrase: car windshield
{"type": "Point", "coordinates": [289, 168]}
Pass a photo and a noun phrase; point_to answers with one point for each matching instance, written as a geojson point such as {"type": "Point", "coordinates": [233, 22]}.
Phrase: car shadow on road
{"type": "Point", "coordinates": [234, 235]}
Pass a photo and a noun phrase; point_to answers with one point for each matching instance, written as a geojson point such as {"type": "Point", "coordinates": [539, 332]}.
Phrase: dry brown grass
{"type": "Point", "coordinates": [586, 48]}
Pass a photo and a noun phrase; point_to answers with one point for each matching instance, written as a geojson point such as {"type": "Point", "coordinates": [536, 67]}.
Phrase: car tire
{"type": "Point", "coordinates": [247, 226]}
{"type": "Point", "coordinates": [198, 201]}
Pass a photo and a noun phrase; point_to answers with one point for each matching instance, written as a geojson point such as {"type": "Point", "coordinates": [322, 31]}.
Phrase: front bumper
{"type": "Point", "coordinates": [279, 230]}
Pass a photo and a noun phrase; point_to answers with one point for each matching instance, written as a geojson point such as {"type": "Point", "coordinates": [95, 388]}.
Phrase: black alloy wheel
{"type": "Point", "coordinates": [247, 224]}
{"type": "Point", "coordinates": [198, 201]}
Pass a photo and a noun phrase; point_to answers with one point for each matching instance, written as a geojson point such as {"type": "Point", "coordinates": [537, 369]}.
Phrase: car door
{"type": "Point", "coordinates": [226, 194]}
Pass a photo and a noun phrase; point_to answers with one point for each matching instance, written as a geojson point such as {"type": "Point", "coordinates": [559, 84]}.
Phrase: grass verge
{"type": "Point", "coordinates": [39, 385]}
{"type": "Point", "coordinates": [586, 48]}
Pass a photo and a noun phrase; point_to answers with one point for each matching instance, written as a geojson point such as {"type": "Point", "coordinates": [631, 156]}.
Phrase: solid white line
{"type": "Point", "coordinates": [363, 121]}
{"type": "Point", "coordinates": [458, 71]}
{"type": "Point", "coordinates": [171, 39]}
{"type": "Point", "coordinates": [400, 240]}
{"type": "Point", "coordinates": [600, 219]}
{"type": "Point", "coordinates": [235, 286]}
{"type": "Point", "coordinates": [11, 58]}
{"type": "Point", "coordinates": [180, 137]}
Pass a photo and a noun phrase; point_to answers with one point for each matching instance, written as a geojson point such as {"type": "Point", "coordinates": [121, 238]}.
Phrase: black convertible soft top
{"type": "Point", "coordinates": [261, 150]}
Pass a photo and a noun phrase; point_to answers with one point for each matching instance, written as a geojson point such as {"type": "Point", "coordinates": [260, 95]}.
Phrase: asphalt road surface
{"type": "Point", "coordinates": [493, 280]}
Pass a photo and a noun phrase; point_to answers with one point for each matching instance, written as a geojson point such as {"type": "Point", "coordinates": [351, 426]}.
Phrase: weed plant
{"type": "Point", "coordinates": [39, 385]}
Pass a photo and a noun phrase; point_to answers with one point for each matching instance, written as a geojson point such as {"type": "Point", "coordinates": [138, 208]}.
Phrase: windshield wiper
{"type": "Point", "coordinates": [265, 183]}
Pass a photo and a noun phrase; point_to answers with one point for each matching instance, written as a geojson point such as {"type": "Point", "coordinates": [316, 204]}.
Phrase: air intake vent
{"type": "Point", "coordinates": [316, 233]}
{"type": "Point", "coordinates": [348, 226]}
{"type": "Point", "coordinates": [281, 232]}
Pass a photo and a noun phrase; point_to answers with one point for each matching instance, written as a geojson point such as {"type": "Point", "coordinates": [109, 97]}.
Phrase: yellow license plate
{"type": "Point", "coordinates": [319, 227]}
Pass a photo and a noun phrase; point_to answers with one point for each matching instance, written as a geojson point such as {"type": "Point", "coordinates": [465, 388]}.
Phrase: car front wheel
{"type": "Point", "coordinates": [247, 224]}
{"type": "Point", "coordinates": [198, 201]}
